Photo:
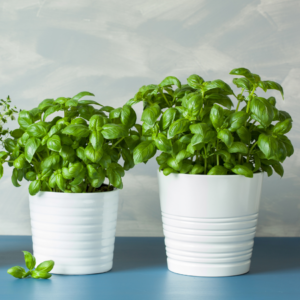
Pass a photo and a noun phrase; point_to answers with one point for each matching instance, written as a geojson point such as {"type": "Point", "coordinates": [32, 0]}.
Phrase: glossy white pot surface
{"type": "Point", "coordinates": [209, 222]}
{"type": "Point", "coordinates": [77, 231]}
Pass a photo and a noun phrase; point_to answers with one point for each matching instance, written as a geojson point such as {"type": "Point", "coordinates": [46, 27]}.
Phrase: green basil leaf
{"type": "Point", "coordinates": [17, 133]}
{"type": "Point", "coordinates": [150, 114]}
{"type": "Point", "coordinates": [77, 130]}
{"type": "Point", "coordinates": [267, 169]}
{"type": "Point", "coordinates": [194, 104]}
{"type": "Point", "coordinates": [72, 102]}
{"type": "Point", "coordinates": [93, 154]}
{"type": "Point", "coordinates": [274, 86]}
{"type": "Point", "coordinates": [199, 128]}
{"type": "Point", "coordinates": [17, 272]}
{"type": "Point", "coordinates": [162, 158]}
{"type": "Point", "coordinates": [283, 127]}
{"type": "Point", "coordinates": [31, 146]}
{"type": "Point", "coordinates": [29, 260]}
{"type": "Point", "coordinates": [144, 151]}
{"type": "Point", "coordinates": [257, 163]}
{"type": "Point", "coordinates": [55, 129]}
{"type": "Point", "coordinates": [67, 153]}
{"type": "Point", "coordinates": [217, 170]}
{"type": "Point", "coordinates": [282, 151]}
{"type": "Point", "coordinates": [288, 145]}
{"type": "Point", "coordinates": [51, 110]}
{"type": "Point", "coordinates": [66, 174]}
{"type": "Point", "coordinates": [186, 167]}
{"type": "Point", "coordinates": [226, 137]}
{"type": "Point", "coordinates": [60, 182]}
{"type": "Point", "coordinates": [179, 126]}
{"type": "Point", "coordinates": [34, 187]}
{"type": "Point", "coordinates": [242, 170]}
{"type": "Point", "coordinates": [45, 266]}
{"type": "Point", "coordinates": [197, 169]}
{"type": "Point", "coordinates": [114, 177]}
{"type": "Point", "coordinates": [174, 164]}
{"type": "Point", "coordinates": [46, 104]}
{"type": "Point", "coordinates": [128, 159]}
{"type": "Point", "coordinates": [263, 85]}
{"type": "Point", "coordinates": [85, 102]}
{"type": "Point", "coordinates": [14, 178]}
{"type": "Point", "coordinates": [50, 161]}
{"type": "Point", "coordinates": [10, 144]}
{"type": "Point", "coordinates": [195, 81]}
{"type": "Point", "coordinates": [128, 116]}
{"type": "Point", "coordinates": [36, 130]}
{"type": "Point", "coordinates": [81, 95]}
{"type": "Point", "coordinates": [168, 171]}
{"type": "Point", "coordinates": [114, 131]}
{"type": "Point", "coordinates": [168, 117]}
{"type": "Point", "coordinates": [237, 120]}
{"type": "Point", "coordinates": [220, 99]}
{"type": "Point", "coordinates": [183, 154]}
{"type": "Point", "coordinates": [238, 147]}
{"type": "Point", "coordinates": [209, 85]}
{"type": "Point", "coordinates": [208, 137]}
{"type": "Point", "coordinates": [268, 145]}
{"type": "Point", "coordinates": [20, 162]}
{"type": "Point", "coordinates": [114, 114]}
{"type": "Point", "coordinates": [277, 166]}
{"type": "Point", "coordinates": [25, 119]}
{"type": "Point", "coordinates": [170, 80]}
{"type": "Point", "coordinates": [241, 71]}
{"type": "Point", "coordinates": [216, 116]}
{"type": "Point", "coordinates": [225, 155]}
{"type": "Point", "coordinates": [96, 140]}
{"type": "Point", "coordinates": [96, 122]}
{"type": "Point", "coordinates": [52, 181]}
{"type": "Point", "coordinates": [53, 143]}
{"type": "Point", "coordinates": [244, 134]}
{"type": "Point", "coordinates": [163, 144]}
{"type": "Point", "coordinates": [243, 83]}
{"type": "Point", "coordinates": [40, 274]}
{"type": "Point", "coordinates": [263, 110]}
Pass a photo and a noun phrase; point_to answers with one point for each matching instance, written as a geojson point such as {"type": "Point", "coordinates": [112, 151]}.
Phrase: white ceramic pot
{"type": "Point", "coordinates": [77, 231]}
{"type": "Point", "coordinates": [209, 222]}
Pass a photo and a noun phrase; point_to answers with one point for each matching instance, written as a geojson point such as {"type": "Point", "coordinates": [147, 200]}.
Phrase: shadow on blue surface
{"type": "Point", "coordinates": [140, 272]}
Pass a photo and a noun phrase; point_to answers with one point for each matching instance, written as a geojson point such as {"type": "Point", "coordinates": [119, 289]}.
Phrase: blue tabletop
{"type": "Point", "coordinates": [140, 272]}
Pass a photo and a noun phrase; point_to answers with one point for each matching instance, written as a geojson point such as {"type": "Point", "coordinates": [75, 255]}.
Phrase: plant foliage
{"type": "Point", "coordinates": [41, 271]}
{"type": "Point", "coordinates": [198, 132]}
{"type": "Point", "coordinates": [72, 152]}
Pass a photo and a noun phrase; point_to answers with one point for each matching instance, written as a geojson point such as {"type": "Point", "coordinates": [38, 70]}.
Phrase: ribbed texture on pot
{"type": "Point", "coordinates": [77, 231]}
{"type": "Point", "coordinates": [209, 222]}
{"type": "Point", "coordinates": [215, 245]}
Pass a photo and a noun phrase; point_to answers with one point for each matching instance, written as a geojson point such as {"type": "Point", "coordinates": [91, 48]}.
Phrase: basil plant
{"type": "Point", "coordinates": [74, 152]}
{"type": "Point", "coordinates": [198, 131]}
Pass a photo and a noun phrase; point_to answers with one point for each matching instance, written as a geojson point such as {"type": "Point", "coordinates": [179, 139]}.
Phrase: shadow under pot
{"type": "Point", "coordinates": [209, 222]}
{"type": "Point", "coordinates": [77, 231]}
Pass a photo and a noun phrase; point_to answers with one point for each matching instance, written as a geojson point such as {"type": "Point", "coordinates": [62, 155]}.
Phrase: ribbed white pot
{"type": "Point", "coordinates": [77, 231]}
{"type": "Point", "coordinates": [209, 222]}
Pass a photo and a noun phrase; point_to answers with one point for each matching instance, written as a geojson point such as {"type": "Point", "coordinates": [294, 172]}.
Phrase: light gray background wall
{"type": "Point", "coordinates": [51, 48]}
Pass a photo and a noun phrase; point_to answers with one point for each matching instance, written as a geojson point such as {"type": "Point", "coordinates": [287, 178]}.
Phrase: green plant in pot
{"type": "Point", "coordinates": [67, 148]}
{"type": "Point", "coordinates": [200, 133]}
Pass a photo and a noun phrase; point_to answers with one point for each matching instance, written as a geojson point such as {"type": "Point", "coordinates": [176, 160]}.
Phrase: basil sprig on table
{"type": "Point", "coordinates": [198, 132]}
{"type": "Point", "coordinates": [74, 152]}
{"type": "Point", "coordinates": [41, 271]}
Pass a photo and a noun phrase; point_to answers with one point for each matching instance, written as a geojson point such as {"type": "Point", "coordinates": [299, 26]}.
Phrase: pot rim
{"type": "Point", "coordinates": [41, 193]}
{"type": "Point", "coordinates": [205, 175]}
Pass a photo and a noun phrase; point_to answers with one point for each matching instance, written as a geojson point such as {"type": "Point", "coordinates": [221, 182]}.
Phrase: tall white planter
{"type": "Point", "coordinates": [209, 222]}
{"type": "Point", "coordinates": [77, 231]}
